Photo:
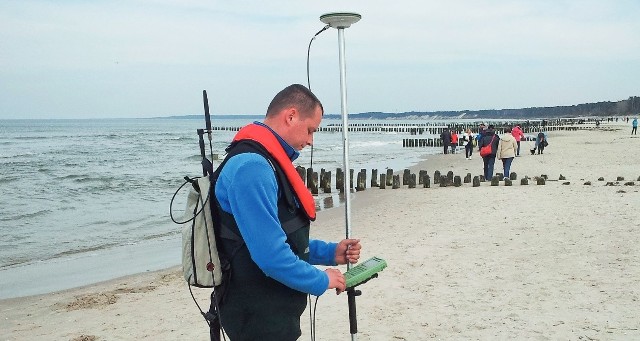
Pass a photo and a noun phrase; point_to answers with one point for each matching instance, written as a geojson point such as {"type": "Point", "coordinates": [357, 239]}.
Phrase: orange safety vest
{"type": "Point", "coordinates": [269, 141]}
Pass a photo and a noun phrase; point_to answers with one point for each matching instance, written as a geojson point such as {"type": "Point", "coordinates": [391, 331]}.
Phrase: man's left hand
{"type": "Point", "coordinates": [348, 250]}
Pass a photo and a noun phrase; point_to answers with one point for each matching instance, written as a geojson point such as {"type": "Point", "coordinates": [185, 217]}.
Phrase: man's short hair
{"type": "Point", "coordinates": [297, 96]}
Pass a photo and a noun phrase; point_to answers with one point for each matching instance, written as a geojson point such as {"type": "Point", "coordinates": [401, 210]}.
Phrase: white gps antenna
{"type": "Point", "coordinates": [340, 21]}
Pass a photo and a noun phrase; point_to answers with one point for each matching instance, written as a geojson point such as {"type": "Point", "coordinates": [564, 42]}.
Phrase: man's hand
{"type": "Point", "coordinates": [348, 250]}
{"type": "Point", "coordinates": [336, 280]}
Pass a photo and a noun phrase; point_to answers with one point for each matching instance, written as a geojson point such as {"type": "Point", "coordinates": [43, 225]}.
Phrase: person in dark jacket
{"type": "Point", "coordinates": [268, 210]}
{"type": "Point", "coordinates": [445, 136]}
{"type": "Point", "coordinates": [482, 128]}
{"type": "Point", "coordinates": [489, 138]}
{"type": "Point", "coordinates": [541, 142]}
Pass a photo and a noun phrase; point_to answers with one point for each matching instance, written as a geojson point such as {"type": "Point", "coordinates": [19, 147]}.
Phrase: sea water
{"type": "Point", "coordinates": [83, 201]}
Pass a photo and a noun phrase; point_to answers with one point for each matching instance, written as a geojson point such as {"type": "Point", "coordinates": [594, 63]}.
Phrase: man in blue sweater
{"type": "Point", "coordinates": [267, 208]}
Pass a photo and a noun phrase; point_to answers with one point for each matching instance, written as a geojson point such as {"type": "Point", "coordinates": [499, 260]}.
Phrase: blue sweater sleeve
{"type": "Point", "coordinates": [247, 188]}
{"type": "Point", "coordinates": [322, 253]}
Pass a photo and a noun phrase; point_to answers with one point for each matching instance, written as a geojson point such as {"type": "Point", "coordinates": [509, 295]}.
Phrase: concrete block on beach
{"type": "Point", "coordinates": [495, 181]}
{"type": "Point", "coordinates": [360, 181]}
{"type": "Point", "coordinates": [412, 180]}
{"type": "Point", "coordinates": [476, 181]}
{"type": "Point", "coordinates": [310, 178]}
{"type": "Point", "coordinates": [405, 176]}
{"type": "Point", "coordinates": [426, 181]}
{"type": "Point", "coordinates": [322, 178]}
{"type": "Point", "coordinates": [303, 175]}
{"type": "Point", "coordinates": [421, 175]}
{"type": "Point", "coordinates": [443, 181]}
{"type": "Point", "coordinates": [351, 178]}
{"type": "Point", "coordinates": [314, 183]}
{"type": "Point", "coordinates": [396, 182]}
{"type": "Point", "coordinates": [374, 178]}
{"type": "Point", "coordinates": [327, 182]}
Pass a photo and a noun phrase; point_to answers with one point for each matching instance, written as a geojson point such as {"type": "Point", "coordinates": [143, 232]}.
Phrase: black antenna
{"type": "Point", "coordinates": [202, 152]}
{"type": "Point", "coordinates": [207, 166]}
{"type": "Point", "coordinates": [207, 119]}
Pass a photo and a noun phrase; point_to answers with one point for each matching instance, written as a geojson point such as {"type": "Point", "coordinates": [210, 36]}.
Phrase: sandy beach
{"type": "Point", "coordinates": [558, 261]}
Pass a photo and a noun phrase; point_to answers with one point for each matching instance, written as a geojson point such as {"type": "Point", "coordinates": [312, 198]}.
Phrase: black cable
{"type": "Point", "coordinates": [311, 331]}
{"type": "Point", "coordinates": [309, 51]}
{"type": "Point", "coordinates": [315, 305]}
{"type": "Point", "coordinates": [308, 80]}
{"type": "Point", "coordinates": [213, 279]}
{"type": "Point", "coordinates": [191, 181]}
{"type": "Point", "coordinates": [214, 295]}
{"type": "Point", "coordinates": [312, 315]}
{"type": "Point", "coordinates": [198, 305]}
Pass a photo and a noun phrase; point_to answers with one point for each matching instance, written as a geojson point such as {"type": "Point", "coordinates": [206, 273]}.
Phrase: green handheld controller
{"type": "Point", "coordinates": [364, 272]}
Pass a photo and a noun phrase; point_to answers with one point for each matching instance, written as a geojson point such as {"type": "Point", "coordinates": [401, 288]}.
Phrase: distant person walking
{"type": "Point", "coordinates": [506, 152]}
{"type": "Point", "coordinates": [445, 136]}
{"type": "Point", "coordinates": [634, 126]}
{"type": "Point", "coordinates": [481, 129]}
{"type": "Point", "coordinates": [468, 143]}
{"type": "Point", "coordinates": [454, 141]}
{"type": "Point", "coordinates": [541, 142]}
{"type": "Point", "coordinates": [489, 138]}
{"type": "Point", "coordinates": [518, 135]}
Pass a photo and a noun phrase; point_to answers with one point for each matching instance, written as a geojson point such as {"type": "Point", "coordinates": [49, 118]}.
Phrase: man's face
{"type": "Point", "coordinates": [303, 126]}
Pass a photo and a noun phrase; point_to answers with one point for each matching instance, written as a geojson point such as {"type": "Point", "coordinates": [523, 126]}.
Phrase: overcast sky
{"type": "Point", "coordinates": [134, 58]}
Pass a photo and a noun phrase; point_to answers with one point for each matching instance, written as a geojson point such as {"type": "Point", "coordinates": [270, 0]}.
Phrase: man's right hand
{"type": "Point", "coordinates": [336, 280]}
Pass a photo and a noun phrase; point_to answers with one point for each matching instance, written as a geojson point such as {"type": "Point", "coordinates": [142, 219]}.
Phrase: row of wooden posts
{"type": "Point", "coordinates": [437, 142]}
{"type": "Point", "coordinates": [418, 128]}
{"type": "Point", "coordinates": [527, 130]}
{"type": "Point", "coordinates": [322, 181]}
{"type": "Point", "coordinates": [411, 180]}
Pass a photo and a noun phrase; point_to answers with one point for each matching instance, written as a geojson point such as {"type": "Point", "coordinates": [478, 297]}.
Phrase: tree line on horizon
{"type": "Point", "coordinates": [628, 107]}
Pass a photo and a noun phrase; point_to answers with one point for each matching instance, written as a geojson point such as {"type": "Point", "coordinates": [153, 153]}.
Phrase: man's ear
{"type": "Point", "coordinates": [291, 115]}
